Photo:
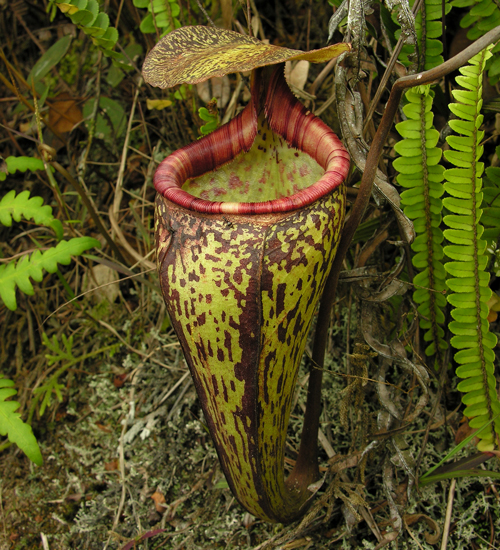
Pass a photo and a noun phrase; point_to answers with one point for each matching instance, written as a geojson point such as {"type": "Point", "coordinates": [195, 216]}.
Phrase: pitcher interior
{"type": "Point", "coordinates": [272, 169]}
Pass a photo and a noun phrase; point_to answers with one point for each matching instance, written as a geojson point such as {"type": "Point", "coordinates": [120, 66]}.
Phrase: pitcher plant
{"type": "Point", "coordinates": [247, 223]}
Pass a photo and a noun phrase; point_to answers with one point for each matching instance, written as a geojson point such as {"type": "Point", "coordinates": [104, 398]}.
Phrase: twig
{"type": "Point", "coordinates": [200, 5]}
{"type": "Point", "coordinates": [449, 509]}
{"type": "Point", "coordinates": [123, 163]}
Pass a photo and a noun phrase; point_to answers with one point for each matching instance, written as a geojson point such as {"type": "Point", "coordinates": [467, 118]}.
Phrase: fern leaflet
{"type": "Point", "coordinates": [12, 426]}
{"type": "Point", "coordinates": [19, 273]}
{"type": "Point", "coordinates": [468, 279]}
{"type": "Point", "coordinates": [21, 164]}
{"type": "Point", "coordinates": [19, 206]}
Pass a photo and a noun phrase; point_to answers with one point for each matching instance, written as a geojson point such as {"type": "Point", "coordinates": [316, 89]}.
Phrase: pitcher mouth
{"type": "Point", "coordinates": [310, 151]}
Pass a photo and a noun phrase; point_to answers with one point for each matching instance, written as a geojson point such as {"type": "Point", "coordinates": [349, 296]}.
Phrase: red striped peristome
{"type": "Point", "coordinates": [288, 118]}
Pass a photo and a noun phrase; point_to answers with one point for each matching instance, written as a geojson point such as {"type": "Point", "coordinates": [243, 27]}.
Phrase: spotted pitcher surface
{"type": "Point", "coordinates": [247, 223]}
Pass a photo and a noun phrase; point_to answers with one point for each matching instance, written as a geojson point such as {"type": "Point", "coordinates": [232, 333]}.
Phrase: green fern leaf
{"type": "Point", "coordinates": [12, 426]}
{"type": "Point", "coordinates": [21, 206]}
{"type": "Point", "coordinates": [469, 280]}
{"type": "Point", "coordinates": [421, 176]}
{"type": "Point", "coordinates": [21, 164]}
{"type": "Point", "coordinates": [31, 267]}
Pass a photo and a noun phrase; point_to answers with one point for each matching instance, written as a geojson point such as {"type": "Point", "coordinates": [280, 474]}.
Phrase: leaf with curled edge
{"type": "Point", "coordinates": [191, 55]}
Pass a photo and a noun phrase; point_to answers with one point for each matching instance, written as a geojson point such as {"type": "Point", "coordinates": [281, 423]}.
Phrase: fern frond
{"type": "Point", "coordinates": [21, 164]}
{"type": "Point", "coordinates": [12, 426]}
{"type": "Point", "coordinates": [58, 353]}
{"type": "Point", "coordinates": [18, 274]}
{"type": "Point", "coordinates": [468, 279]}
{"type": "Point", "coordinates": [20, 206]}
{"type": "Point", "coordinates": [422, 176]}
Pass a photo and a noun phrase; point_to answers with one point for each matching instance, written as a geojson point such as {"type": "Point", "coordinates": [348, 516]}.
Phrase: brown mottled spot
{"type": "Point", "coordinates": [280, 298]}
{"type": "Point", "coordinates": [215, 385]}
{"type": "Point", "coordinates": [233, 385]}
{"type": "Point", "coordinates": [220, 354]}
{"type": "Point", "coordinates": [193, 277]}
{"type": "Point", "coordinates": [224, 391]}
{"type": "Point", "coordinates": [227, 344]}
{"type": "Point", "coordinates": [208, 298]}
{"type": "Point", "coordinates": [210, 258]}
{"type": "Point", "coordinates": [201, 319]}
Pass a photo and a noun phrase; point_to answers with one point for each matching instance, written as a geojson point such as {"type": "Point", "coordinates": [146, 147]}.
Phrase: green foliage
{"type": "Point", "coordinates": [162, 15]}
{"type": "Point", "coordinates": [462, 470]}
{"type": "Point", "coordinates": [21, 164]}
{"type": "Point", "coordinates": [49, 60]}
{"type": "Point", "coordinates": [483, 16]}
{"type": "Point", "coordinates": [111, 119]}
{"type": "Point", "coordinates": [86, 15]}
{"type": "Point", "coordinates": [12, 426]}
{"type": "Point", "coordinates": [491, 203]}
{"type": "Point", "coordinates": [20, 206]}
{"type": "Point", "coordinates": [60, 354]}
{"type": "Point", "coordinates": [18, 273]}
{"type": "Point", "coordinates": [468, 278]}
{"type": "Point", "coordinates": [422, 176]}
{"type": "Point", "coordinates": [53, 385]}
{"type": "Point", "coordinates": [429, 31]}
{"type": "Point", "coordinates": [211, 118]}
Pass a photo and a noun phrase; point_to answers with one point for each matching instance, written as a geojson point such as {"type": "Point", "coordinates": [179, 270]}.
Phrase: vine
{"type": "Point", "coordinates": [86, 15]}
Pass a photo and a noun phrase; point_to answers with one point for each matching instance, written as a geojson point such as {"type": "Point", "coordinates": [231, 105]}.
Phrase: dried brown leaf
{"type": "Point", "coordinates": [159, 501]}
